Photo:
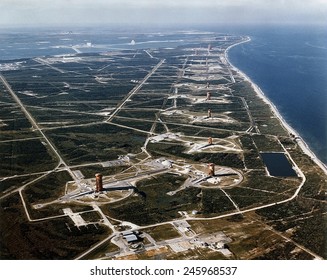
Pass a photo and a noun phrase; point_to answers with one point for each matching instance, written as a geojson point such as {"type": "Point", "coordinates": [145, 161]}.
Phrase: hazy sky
{"type": "Point", "coordinates": [159, 12]}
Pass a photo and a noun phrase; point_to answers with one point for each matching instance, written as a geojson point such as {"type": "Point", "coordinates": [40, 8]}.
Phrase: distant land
{"type": "Point", "coordinates": [149, 146]}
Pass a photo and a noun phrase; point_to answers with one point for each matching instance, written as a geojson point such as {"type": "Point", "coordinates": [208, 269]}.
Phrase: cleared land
{"type": "Point", "coordinates": [177, 134]}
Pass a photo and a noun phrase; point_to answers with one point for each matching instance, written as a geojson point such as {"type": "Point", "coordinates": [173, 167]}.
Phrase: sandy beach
{"type": "Point", "coordinates": [303, 145]}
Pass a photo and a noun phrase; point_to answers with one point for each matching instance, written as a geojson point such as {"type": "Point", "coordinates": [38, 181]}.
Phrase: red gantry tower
{"type": "Point", "coordinates": [211, 169]}
{"type": "Point", "coordinates": [209, 113]}
{"type": "Point", "coordinates": [98, 182]}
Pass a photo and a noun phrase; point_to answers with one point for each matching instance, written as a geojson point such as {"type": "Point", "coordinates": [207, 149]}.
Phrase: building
{"type": "Point", "coordinates": [131, 236]}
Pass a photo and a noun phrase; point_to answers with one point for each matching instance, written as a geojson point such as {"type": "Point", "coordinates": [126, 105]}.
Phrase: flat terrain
{"type": "Point", "coordinates": [177, 133]}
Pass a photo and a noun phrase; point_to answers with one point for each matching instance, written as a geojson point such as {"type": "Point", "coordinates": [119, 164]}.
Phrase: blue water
{"type": "Point", "coordinates": [278, 164]}
{"type": "Point", "coordinates": [290, 65]}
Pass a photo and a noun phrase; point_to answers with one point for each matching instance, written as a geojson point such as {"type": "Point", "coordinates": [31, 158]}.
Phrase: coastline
{"type": "Point", "coordinates": [302, 144]}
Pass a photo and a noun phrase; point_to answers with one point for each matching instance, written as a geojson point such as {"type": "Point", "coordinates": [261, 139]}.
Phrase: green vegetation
{"type": "Point", "coordinates": [96, 143]}
{"type": "Point", "coordinates": [90, 171]}
{"type": "Point", "coordinates": [266, 143]}
{"type": "Point", "coordinates": [163, 232]}
{"type": "Point", "coordinates": [260, 111]}
{"type": "Point", "coordinates": [47, 188]}
{"type": "Point", "coordinates": [91, 217]}
{"type": "Point", "coordinates": [71, 101]}
{"type": "Point", "coordinates": [215, 202]}
{"type": "Point", "coordinates": [101, 251]}
{"type": "Point", "coordinates": [49, 239]}
{"type": "Point", "coordinates": [14, 182]}
{"type": "Point", "coordinates": [201, 131]}
{"type": "Point", "coordinates": [152, 203]}
{"type": "Point", "coordinates": [284, 252]}
{"type": "Point", "coordinates": [306, 219]}
{"type": "Point", "coordinates": [175, 149]}
{"type": "Point", "coordinates": [134, 123]}
{"type": "Point", "coordinates": [21, 157]}
{"type": "Point", "coordinates": [259, 189]}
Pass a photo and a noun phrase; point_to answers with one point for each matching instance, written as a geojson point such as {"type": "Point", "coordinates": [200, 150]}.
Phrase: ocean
{"type": "Point", "coordinates": [289, 64]}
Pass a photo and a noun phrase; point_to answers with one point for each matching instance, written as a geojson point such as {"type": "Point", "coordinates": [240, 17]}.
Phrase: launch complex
{"type": "Point", "coordinates": [156, 149]}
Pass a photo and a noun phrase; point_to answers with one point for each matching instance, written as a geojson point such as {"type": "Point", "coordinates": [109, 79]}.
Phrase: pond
{"type": "Point", "coordinates": [278, 164]}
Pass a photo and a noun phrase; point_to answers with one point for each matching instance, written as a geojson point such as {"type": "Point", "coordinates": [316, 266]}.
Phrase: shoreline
{"type": "Point", "coordinates": [299, 140]}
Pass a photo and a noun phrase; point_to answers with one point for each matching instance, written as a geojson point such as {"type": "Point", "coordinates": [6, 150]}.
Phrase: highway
{"type": "Point", "coordinates": [253, 124]}
{"type": "Point", "coordinates": [36, 127]}
{"type": "Point", "coordinates": [41, 61]}
{"type": "Point", "coordinates": [134, 90]}
{"type": "Point", "coordinates": [21, 139]}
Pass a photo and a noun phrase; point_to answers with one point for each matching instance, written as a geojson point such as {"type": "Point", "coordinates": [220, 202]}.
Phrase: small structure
{"type": "Point", "coordinates": [131, 236]}
{"type": "Point", "coordinates": [211, 169]}
{"type": "Point", "coordinates": [182, 226]}
{"type": "Point", "coordinates": [167, 163]}
{"type": "Point", "coordinates": [209, 113]}
{"type": "Point", "coordinates": [210, 140]}
{"type": "Point", "coordinates": [98, 182]}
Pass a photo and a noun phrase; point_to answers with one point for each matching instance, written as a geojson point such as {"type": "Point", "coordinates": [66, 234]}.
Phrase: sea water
{"type": "Point", "coordinates": [289, 64]}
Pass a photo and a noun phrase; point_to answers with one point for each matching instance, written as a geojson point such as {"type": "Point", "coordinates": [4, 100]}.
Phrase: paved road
{"type": "Point", "coordinates": [44, 62]}
{"type": "Point", "coordinates": [134, 90]}
{"type": "Point", "coordinates": [253, 124]}
{"type": "Point", "coordinates": [36, 127]}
